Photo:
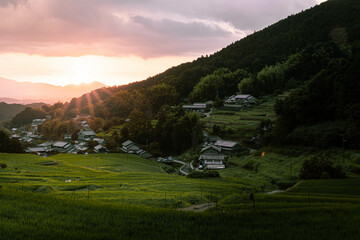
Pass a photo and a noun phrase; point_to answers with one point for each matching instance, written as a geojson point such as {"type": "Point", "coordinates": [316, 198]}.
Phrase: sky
{"type": "Point", "coordinates": [120, 41]}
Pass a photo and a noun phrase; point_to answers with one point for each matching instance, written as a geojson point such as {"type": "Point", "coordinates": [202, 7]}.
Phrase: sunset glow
{"type": "Point", "coordinates": [85, 69]}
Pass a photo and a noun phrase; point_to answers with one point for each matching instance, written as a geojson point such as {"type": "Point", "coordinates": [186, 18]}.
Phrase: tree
{"type": "Point", "coordinates": [25, 117]}
{"type": "Point", "coordinates": [319, 166]}
{"type": "Point", "coordinates": [9, 145]}
{"type": "Point", "coordinates": [139, 127]}
{"type": "Point", "coordinates": [220, 83]}
{"type": "Point", "coordinates": [161, 94]}
{"type": "Point", "coordinates": [97, 123]}
{"type": "Point", "coordinates": [120, 104]}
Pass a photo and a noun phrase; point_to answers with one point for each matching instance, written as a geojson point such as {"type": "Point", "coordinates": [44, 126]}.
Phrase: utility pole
{"type": "Point", "coordinates": [88, 196]}
{"type": "Point", "coordinates": [252, 197]}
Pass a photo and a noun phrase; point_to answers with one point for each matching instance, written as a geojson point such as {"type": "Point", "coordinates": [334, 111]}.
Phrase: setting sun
{"type": "Point", "coordinates": [82, 70]}
{"type": "Point", "coordinates": [85, 69]}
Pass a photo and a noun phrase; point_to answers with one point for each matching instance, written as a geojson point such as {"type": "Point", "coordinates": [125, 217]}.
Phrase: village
{"type": "Point", "coordinates": [213, 151]}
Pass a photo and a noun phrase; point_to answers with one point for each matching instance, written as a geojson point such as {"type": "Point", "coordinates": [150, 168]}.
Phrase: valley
{"type": "Point", "coordinates": [258, 140]}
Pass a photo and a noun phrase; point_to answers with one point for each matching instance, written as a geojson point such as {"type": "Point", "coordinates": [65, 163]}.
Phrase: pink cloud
{"type": "Point", "coordinates": [143, 28]}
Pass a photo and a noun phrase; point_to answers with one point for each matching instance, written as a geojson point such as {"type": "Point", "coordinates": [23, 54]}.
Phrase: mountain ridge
{"type": "Point", "coordinates": [42, 92]}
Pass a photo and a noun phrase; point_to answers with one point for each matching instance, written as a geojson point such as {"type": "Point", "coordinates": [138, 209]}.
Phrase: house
{"type": "Point", "coordinates": [36, 122]}
{"type": "Point", "coordinates": [197, 107]}
{"type": "Point", "coordinates": [229, 147]}
{"type": "Point", "coordinates": [37, 150]}
{"type": "Point", "coordinates": [129, 147]}
{"type": "Point", "coordinates": [15, 136]}
{"type": "Point", "coordinates": [146, 155]}
{"type": "Point", "coordinates": [143, 154]}
{"type": "Point", "coordinates": [100, 149]}
{"type": "Point", "coordinates": [63, 147]}
{"type": "Point", "coordinates": [27, 139]}
{"type": "Point", "coordinates": [213, 164]}
{"type": "Point", "coordinates": [46, 145]}
{"type": "Point", "coordinates": [32, 135]}
{"type": "Point", "coordinates": [211, 150]}
{"type": "Point", "coordinates": [86, 135]}
{"type": "Point", "coordinates": [239, 101]}
{"type": "Point", "coordinates": [99, 141]}
{"type": "Point", "coordinates": [67, 137]}
{"type": "Point", "coordinates": [209, 140]}
{"type": "Point", "coordinates": [82, 146]}
{"type": "Point", "coordinates": [212, 158]}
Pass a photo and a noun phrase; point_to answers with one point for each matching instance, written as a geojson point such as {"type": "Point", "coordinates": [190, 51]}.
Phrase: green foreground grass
{"type": "Point", "coordinates": [27, 215]}
{"type": "Point", "coordinates": [119, 196]}
{"type": "Point", "coordinates": [121, 178]}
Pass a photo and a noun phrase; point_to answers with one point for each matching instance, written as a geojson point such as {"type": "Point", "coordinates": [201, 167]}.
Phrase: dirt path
{"type": "Point", "coordinates": [198, 208]}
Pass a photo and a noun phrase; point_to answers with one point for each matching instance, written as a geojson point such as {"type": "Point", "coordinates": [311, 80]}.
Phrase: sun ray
{"type": "Point", "coordinates": [91, 107]}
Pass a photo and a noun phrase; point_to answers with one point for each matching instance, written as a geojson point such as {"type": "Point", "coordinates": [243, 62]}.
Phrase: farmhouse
{"type": "Point", "coordinates": [197, 107]}
{"type": "Point", "coordinates": [209, 140]}
{"type": "Point", "coordinates": [99, 140]}
{"type": "Point", "coordinates": [86, 135]}
{"type": "Point", "coordinates": [212, 161]}
{"type": "Point", "coordinates": [229, 147]}
{"type": "Point", "coordinates": [37, 122]}
{"type": "Point", "coordinates": [130, 147]}
{"type": "Point", "coordinates": [143, 154]}
{"type": "Point", "coordinates": [239, 101]}
{"type": "Point", "coordinates": [212, 158]}
{"type": "Point", "coordinates": [82, 146]}
{"type": "Point", "coordinates": [46, 145]}
{"type": "Point", "coordinates": [63, 147]}
{"type": "Point", "coordinates": [67, 137]}
{"type": "Point", "coordinates": [100, 149]}
{"type": "Point", "coordinates": [27, 139]}
{"type": "Point", "coordinates": [211, 150]}
{"type": "Point", "coordinates": [37, 149]}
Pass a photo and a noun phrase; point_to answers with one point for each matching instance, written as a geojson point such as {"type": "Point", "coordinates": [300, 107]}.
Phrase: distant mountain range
{"type": "Point", "coordinates": [26, 92]}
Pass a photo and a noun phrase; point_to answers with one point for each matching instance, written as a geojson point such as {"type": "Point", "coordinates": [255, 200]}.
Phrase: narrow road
{"type": "Point", "coordinates": [198, 208]}
{"type": "Point", "coordinates": [182, 168]}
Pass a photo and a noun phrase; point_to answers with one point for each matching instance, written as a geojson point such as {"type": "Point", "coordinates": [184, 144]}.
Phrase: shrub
{"type": "Point", "coordinates": [319, 167]}
{"type": "Point", "coordinates": [168, 169]}
{"type": "Point", "coordinates": [252, 165]}
{"type": "Point", "coordinates": [204, 174]}
{"type": "Point", "coordinates": [283, 184]}
{"type": "Point", "coordinates": [3, 165]}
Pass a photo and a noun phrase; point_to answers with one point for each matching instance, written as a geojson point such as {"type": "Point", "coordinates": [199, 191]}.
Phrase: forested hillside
{"type": "Point", "coordinates": [335, 21]}
{"type": "Point", "coordinates": [326, 111]}
{"type": "Point", "coordinates": [8, 111]}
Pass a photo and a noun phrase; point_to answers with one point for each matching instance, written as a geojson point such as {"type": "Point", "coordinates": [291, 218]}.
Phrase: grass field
{"type": "Point", "coordinates": [119, 196]}
{"type": "Point", "coordinates": [241, 125]}
{"type": "Point", "coordinates": [121, 178]}
{"type": "Point", "coordinates": [28, 215]}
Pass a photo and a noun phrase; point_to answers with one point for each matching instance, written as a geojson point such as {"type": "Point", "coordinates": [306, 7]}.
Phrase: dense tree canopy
{"type": "Point", "coordinates": [8, 144]}
{"type": "Point", "coordinates": [26, 116]}
{"type": "Point", "coordinates": [326, 111]}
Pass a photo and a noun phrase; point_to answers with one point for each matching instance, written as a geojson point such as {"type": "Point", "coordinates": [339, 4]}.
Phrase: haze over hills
{"type": "Point", "coordinates": [25, 92]}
